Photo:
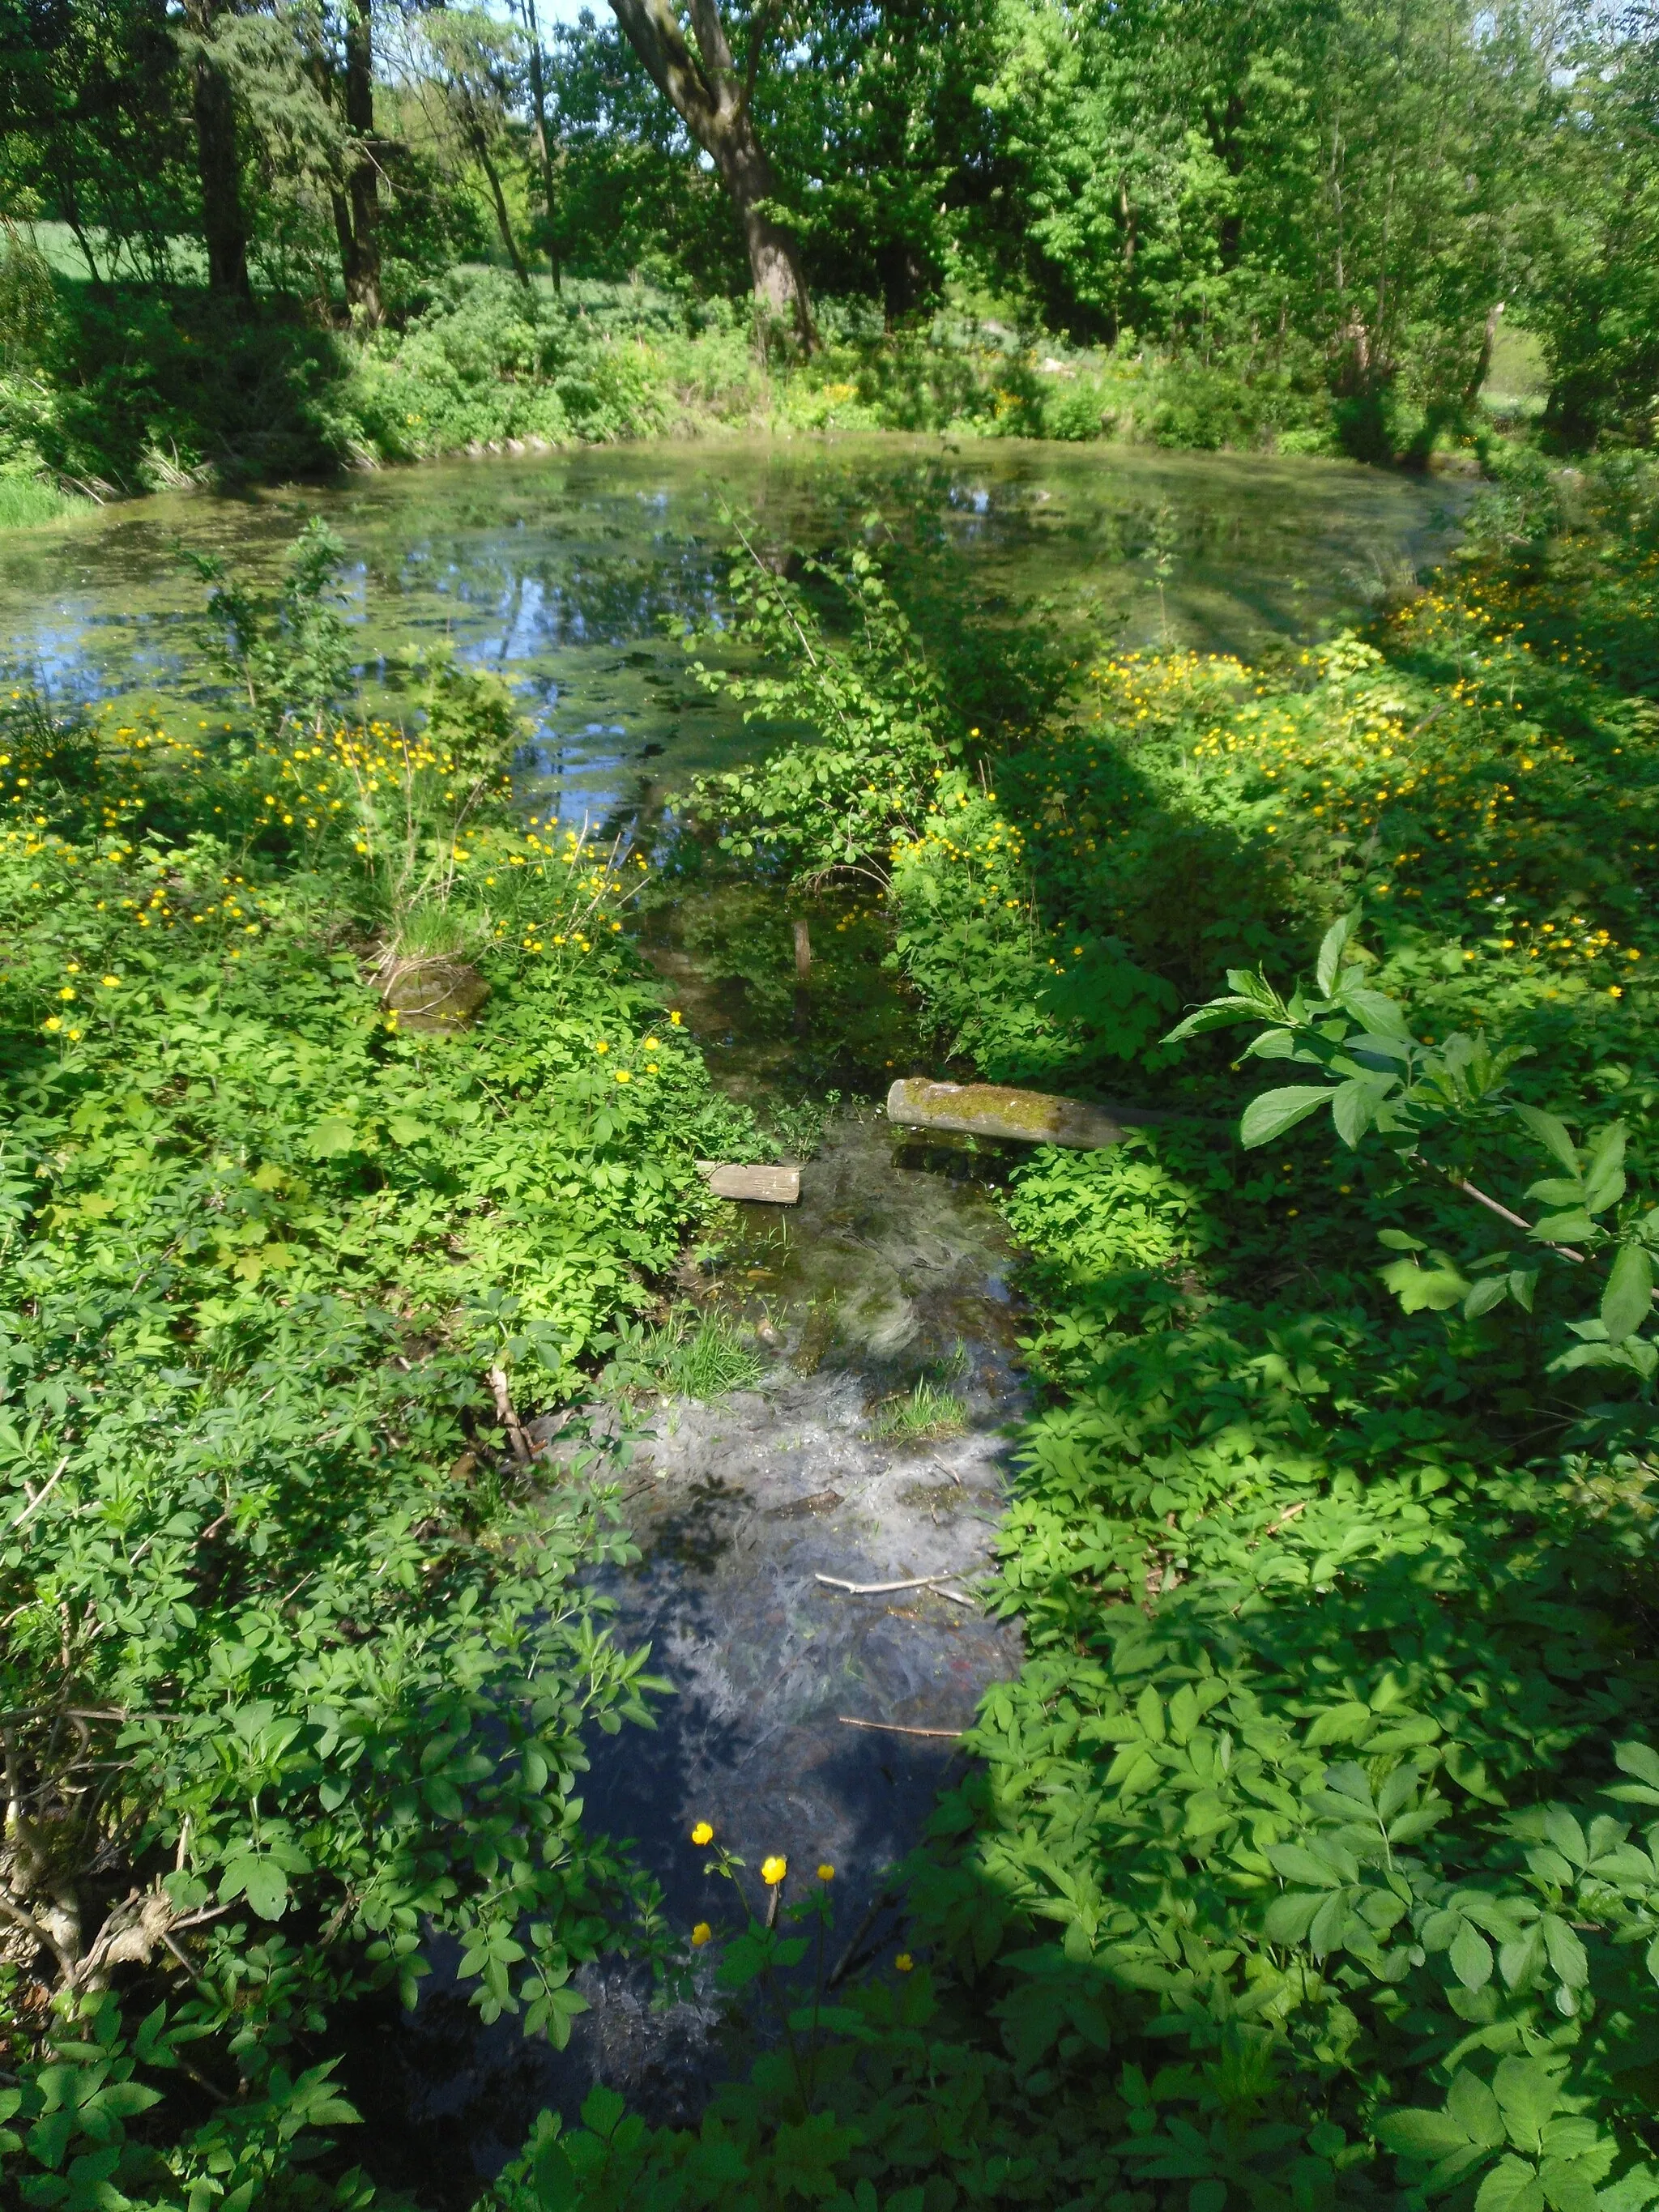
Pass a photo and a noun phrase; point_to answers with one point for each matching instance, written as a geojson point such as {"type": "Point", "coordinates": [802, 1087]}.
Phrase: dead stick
{"type": "Point", "coordinates": [509, 1419]}
{"type": "Point", "coordinates": [896, 1728]}
{"type": "Point", "coordinates": [884, 1903]}
{"type": "Point", "coordinates": [883, 1589]}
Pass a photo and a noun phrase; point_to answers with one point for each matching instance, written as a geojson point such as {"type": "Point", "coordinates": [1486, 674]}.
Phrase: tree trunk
{"type": "Point", "coordinates": [503, 221]}
{"type": "Point", "coordinates": [224, 225]}
{"type": "Point", "coordinates": [361, 268]}
{"type": "Point", "coordinates": [543, 147]}
{"type": "Point", "coordinates": [705, 92]}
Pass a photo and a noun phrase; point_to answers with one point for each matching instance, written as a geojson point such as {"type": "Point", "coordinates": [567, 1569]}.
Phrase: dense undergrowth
{"type": "Point", "coordinates": [296, 1662]}
{"type": "Point", "coordinates": [1312, 1857]}
{"type": "Point", "coordinates": [136, 388]}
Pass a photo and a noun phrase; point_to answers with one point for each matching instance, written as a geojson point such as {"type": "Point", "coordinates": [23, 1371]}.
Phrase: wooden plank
{"type": "Point", "coordinates": [992, 1110]}
{"type": "Point", "coordinates": [771, 1186]}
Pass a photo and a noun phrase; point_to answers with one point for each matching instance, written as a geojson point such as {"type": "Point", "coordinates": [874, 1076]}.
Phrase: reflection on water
{"type": "Point", "coordinates": [562, 572]}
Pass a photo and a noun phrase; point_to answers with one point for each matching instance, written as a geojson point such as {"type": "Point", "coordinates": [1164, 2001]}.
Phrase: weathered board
{"type": "Point", "coordinates": [992, 1109]}
{"type": "Point", "coordinates": [772, 1186]}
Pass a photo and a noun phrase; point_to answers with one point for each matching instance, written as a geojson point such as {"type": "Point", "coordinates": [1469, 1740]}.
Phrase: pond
{"type": "Point", "coordinates": [562, 571]}
{"type": "Point", "coordinates": [807, 1717]}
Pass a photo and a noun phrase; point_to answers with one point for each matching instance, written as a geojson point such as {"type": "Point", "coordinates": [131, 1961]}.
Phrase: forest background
{"type": "Point", "coordinates": [253, 240]}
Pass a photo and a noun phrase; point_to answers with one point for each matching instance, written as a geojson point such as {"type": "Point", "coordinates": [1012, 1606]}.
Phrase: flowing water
{"type": "Point", "coordinates": [802, 1715]}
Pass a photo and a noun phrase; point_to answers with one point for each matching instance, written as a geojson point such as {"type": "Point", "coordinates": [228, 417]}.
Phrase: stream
{"type": "Point", "coordinates": [789, 1727]}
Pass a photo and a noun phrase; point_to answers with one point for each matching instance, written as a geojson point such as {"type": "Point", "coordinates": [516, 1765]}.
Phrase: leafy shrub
{"type": "Point", "coordinates": [1311, 1858]}
{"type": "Point", "coordinates": [297, 1660]}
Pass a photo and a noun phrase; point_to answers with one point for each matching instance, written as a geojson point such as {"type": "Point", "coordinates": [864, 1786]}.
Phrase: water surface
{"type": "Point", "coordinates": [568, 572]}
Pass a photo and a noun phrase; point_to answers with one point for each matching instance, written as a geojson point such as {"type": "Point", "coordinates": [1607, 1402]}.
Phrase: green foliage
{"type": "Point", "coordinates": [924, 1414]}
{"type": "Point", "coordinates": [297, 1660]}
{"type": "Point", "coordinates": [1311, 1858]}
{"type": "Point", "coordinates": [833, 806]}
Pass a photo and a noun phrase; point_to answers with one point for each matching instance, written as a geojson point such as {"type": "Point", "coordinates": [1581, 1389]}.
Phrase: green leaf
{"type": "Point", "coordinates": [1274, 1112]}
{"type": "Point", "coordinates": [1470, 1957]}
{"type": "Point", "coordinates": [1628, 1299]}
{"type": "Point", "coordinates": [1528, 2096]}
{"type": "Point", "coordinates": [1425, 1290]}
{"type": "Point", "coordinates": [1511, 2187]}
{"type": "Point", "coordinates": [330, 1136]}
{"type": "Point", "coordinates": [1553, 1135]}
{"type": "Point", "coordinates": [1330, 950]}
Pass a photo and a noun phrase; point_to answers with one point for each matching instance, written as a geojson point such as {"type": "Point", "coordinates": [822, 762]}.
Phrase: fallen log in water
{"type": "Point", "coordinates": [992, 1109]}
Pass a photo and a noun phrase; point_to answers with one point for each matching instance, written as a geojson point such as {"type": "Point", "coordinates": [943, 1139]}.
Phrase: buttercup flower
{"type": "Point", "coordinates": [702, 1833]}
{"type": "Point", "coordinates": [651, 1045]}
{"type": "Point", "coordinates": [772, 1870]}
{"type": "Point", "coordinates": [904, 1962]}
{"type": "Point", "coordinates": [701, 1934]}
{"type": "Point", "coordinates": [826, 1873]}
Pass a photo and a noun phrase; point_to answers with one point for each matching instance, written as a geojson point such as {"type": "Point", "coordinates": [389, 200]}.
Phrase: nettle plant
{"type": "Point", "coordinates": [1431, 1103]}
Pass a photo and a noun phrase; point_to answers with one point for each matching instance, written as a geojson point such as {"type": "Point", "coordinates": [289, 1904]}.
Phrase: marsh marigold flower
{"type": "Point", "coordinates": [702, 1833]}
{"type": "Point", "coordinates": [772, 1870]}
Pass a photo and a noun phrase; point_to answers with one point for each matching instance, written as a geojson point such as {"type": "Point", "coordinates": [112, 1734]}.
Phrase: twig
{"type": "Point", "coordinates": [882, 1589]}
{"type": "Point", "coordinates": [509, 1419]}
{"type": "Point", "coordinates": [1514, 1220]}
{"type": "Point", "coordinates": [884, 1903]}
{"type": "Point", "coordinates": [896, 1728]}
{"type": "Point", "coordinates": [42, 1494]}
{"type": "Point", "coordinates": [1519, 1221]}
{"type": "Point", "coordinates": [1273, 1526]}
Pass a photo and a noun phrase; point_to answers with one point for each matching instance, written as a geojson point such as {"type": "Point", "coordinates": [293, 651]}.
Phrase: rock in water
{"type": "Point", "coordinates": [991, 1110]}
{"type": "Point", "coordinates": [776, 1186]}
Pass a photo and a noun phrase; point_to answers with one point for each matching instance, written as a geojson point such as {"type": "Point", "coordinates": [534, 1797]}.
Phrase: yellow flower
{"type": "Point", "coordinates": [904, 1962]}
{"type": "Point", "coordinates": [702, 1934]}
{"type": "Point", "coordinates": [702, 1833]}
{"type": "Point", "coordinates": [54, 1022]}
{"type": "Point", "coordinates": [772, 1870]}
{"type": "Point", "coordinates": [826, 1873]}
{"type": "Point", "coordinates": [66, 992]}
{"type": "Point", "coordinates": [623, 1076]}
{"type": "Point", "coordinates": [601, 1048]}
{"type": "Point", "coordinates": [75, 1035]}
{"type": "Point", "coordinates": [111, 982]}
{"type": "Point", "coordinates": [675, 1018]}
{"type": "Point", "coordinates": [651, 1045]}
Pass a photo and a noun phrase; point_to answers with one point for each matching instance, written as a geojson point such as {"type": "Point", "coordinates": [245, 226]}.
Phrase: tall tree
{"type": "Point", "coordinates": [218, 158]}
{"type": "Point", "coordinates": [714, 100]}
{"type": "Point", "coordinates": [533, 30]}
{"type": "Point", "coordinates": [358, 209]}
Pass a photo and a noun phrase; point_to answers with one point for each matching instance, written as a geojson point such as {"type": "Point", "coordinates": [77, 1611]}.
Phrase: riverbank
{"type": "Point", "coordinates": [343, 1136]}
{"type": "Point", "coordinates": [1301, 1856]}
{"type": "Point", "coordinates": [137, 389]}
